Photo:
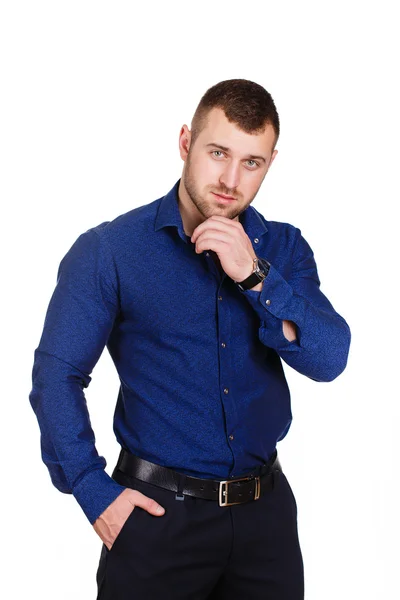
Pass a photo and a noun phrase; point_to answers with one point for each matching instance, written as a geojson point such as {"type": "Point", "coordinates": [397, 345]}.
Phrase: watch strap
{"type": "Point", "coordinates": [260, 272]}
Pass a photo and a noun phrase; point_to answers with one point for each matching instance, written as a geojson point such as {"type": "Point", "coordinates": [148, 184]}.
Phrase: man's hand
{"type": "Point", "coordinates": [235, 252]}
{"type": "Point", "coordinates": [230, 242]}
{"type": "Point", "coordinates": [110, 522]}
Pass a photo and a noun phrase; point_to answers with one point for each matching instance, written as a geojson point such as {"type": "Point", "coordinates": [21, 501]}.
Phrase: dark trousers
{"type": "Point", "coordinates": [199, 550]}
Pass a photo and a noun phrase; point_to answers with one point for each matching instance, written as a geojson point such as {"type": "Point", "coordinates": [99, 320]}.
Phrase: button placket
{"type": "Point", "coordinates": [225, 372]}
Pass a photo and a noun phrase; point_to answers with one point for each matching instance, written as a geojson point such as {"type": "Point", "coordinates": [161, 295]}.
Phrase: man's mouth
{"type": "Point", "coordinates": [224, 197]}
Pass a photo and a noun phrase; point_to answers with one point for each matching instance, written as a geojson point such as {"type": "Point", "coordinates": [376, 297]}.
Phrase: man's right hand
{"type": "Point", "coordinates": [110, 522]}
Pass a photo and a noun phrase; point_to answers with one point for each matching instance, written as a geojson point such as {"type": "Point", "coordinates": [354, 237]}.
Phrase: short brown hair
{"type": "Point", "coordinates": [245, 103]}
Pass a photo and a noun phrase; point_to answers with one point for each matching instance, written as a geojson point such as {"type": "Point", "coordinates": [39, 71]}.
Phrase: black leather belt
{"type": "Point", "coordinates": [227, 492]}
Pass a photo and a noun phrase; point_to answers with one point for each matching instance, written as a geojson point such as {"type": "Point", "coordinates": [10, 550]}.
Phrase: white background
{"type": "Point", "coordinates": [93, 98]}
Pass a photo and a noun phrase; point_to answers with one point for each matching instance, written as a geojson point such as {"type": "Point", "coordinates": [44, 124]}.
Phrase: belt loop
{"type": "Point", "coordinates": [120, 457]}
{"type": "Point", "coordinates": [181, 485]}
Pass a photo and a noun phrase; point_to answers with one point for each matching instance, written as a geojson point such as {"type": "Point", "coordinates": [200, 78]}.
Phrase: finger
{"type": "Point", "coordinates": [147, 503]}
{"type": "Point", "coordinates": [215, 222]}
{"type": "Point", "coordinates": [216, 233]}
{"type": "Point", "coordinates": [212, 243]}
{"type": "Point", "coordinates": [226, 221]}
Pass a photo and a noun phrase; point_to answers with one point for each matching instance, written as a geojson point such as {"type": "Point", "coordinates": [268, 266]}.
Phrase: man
{"type": "Point", "coordinates": [198, 298]}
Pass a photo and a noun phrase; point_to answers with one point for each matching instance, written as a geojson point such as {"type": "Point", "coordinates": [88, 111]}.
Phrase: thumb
{"type": "Point", "coordinates": [147, 503]}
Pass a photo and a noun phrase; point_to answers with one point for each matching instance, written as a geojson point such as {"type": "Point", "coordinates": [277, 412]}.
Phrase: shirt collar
{"type": "Point", "coordinates": [169, 214]}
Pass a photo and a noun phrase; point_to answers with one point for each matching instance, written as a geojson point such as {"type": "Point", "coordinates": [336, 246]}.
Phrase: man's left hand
{"type": "Point", "coordinates": [230, 242]}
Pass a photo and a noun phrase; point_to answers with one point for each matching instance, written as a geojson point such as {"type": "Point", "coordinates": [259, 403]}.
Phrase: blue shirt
{"type": "Point", "coordinates": [202, 388]}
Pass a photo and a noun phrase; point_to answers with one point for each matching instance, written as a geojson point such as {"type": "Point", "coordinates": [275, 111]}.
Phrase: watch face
{"type": "Point", "coordinates": [263, 265]}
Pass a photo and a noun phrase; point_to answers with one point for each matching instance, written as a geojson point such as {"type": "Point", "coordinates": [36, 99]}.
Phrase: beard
{"type": "Point", "coordinates": [207, 208]}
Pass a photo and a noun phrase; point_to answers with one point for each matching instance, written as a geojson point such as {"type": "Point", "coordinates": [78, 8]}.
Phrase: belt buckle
{"type": "Point", "coordinates": [224, 493]}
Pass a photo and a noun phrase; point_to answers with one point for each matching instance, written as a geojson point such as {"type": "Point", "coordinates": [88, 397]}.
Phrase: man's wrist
{"type": "Point", "coordinates": [256, 277]}
{"type": "Point", "coordinates": [95, 491]}
{"type": "Point", "coordinates": [248, 272]}
{"type": "Point", "coordinates": [258, 287]}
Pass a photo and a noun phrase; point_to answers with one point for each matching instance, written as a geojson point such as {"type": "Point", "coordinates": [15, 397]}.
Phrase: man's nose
{"type": "Point", "coordinates": [230, 176]}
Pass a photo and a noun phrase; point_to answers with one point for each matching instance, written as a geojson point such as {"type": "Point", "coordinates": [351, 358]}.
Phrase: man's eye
{"type": "Point", "coordinates": [219, 154]}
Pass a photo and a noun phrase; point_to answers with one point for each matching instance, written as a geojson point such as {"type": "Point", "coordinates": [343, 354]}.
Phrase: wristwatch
{"type": "Point", "coordinates": [260, 271]}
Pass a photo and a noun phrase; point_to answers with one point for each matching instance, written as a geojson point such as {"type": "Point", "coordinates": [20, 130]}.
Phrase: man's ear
{"type": "Point", "coordinates": [184, 141]}
{"type": "Point", "coordinates": [275, 152]}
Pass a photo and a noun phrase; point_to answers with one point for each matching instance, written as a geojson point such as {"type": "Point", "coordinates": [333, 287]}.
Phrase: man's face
{"type": "Point", "coordinates": [225, 160]}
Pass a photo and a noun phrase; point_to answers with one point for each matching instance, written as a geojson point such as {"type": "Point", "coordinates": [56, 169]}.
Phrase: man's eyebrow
{"type": "Point", "coordinates": [225, 149]}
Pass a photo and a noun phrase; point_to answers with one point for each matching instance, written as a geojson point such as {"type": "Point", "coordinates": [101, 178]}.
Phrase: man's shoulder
{"type": "Point", "coordinates": [278, 228]}
{"type": "Point", "coordinates": [138, 221]}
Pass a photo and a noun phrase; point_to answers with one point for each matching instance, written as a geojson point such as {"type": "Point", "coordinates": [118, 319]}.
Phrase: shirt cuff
{"type": "Point", "coordinates": [95, 492]}
{"type": "Point", "coordinates": [273, 304]}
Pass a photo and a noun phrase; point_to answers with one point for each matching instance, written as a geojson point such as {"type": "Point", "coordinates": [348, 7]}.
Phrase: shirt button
{"type": "Point", "coordinates": [223, 344]}
{"type": "Point", "coordinates": [268, 302]}
{"type": "Point", "coordinates": [219, 297]}
{"type": "Point", "coordinates": [256, 240]}
{"type": "Point", "coordinates": [226, 390]}
{"type": "Point", "coordinates": [231, 437]}
{"type": "Point", "coordinates": [207, 254]}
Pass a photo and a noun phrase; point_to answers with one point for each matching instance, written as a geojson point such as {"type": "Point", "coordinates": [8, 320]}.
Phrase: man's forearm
{"type": "Point", "coordinates": [301, 325]}
{"type": "Point", "coordinates": [289, 330]}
